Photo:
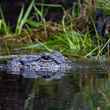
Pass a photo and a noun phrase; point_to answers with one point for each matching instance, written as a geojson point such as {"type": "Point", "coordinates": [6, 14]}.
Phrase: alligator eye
{"type": "Point", "coordinates": [45, 57]}
{"type": "Point", "coordinates": [22, 62]}
{"type": "Point", "coordinates": [46, 76]}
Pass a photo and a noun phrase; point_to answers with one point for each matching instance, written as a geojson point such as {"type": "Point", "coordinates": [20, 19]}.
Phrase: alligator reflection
{"type": "Point", "coordinates": [74, 91]}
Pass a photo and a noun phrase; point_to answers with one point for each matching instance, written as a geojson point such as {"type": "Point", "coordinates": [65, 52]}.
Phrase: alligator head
{"type": "Point", "coordinates": [44, 64]}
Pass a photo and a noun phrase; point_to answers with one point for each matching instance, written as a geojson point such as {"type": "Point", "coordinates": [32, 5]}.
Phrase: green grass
{"type": "Point", "coordinates": [68, 42]}
{"type": "Point", "coordinates": [75, 44]}
{"type": "Point", "coordinates": [23, 17]}
{"type": "Point", "coordinates": [4, 28]}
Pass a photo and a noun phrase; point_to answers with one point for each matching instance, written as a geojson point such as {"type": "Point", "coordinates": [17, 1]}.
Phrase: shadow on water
{"type": "Point", "coordinates": [83, 89]}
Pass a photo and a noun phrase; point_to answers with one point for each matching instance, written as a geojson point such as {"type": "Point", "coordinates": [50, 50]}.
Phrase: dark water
{"type": "Point", "coordinates": [83, 89]}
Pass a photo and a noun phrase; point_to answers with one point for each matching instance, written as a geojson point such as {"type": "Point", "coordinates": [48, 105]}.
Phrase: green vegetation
{"type": "Point", "coordinates": [72, 43]}
{"type": "Point", "coordinates": [65, 36]}
{"type": "Point", "coordinates": [74, 36]}
{"type": "Point", "coordinates": [104, 5]}
{"type": "Point", "coordinates": [4, 28]}
{"type": "Point", "coordinates": [23, 18]}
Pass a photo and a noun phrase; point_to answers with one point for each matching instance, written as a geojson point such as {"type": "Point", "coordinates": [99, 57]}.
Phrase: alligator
{"type": "Point", "coordinates": [44, 65]}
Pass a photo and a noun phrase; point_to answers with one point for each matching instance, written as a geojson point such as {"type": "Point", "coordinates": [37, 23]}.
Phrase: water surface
{"type": "Point", "coordinates": [85, 88]}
